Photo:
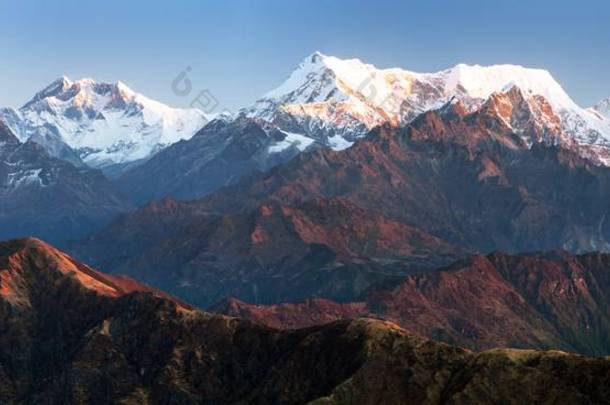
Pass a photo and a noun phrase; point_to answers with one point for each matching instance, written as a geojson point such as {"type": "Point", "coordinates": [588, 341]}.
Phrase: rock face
{"type": "Point", "coordinates": [542, 301]}
{"type": "Point", "coordinates": [49, 197]}
{"type": "Point", "coordinates": [452, 182]}
{"type": "Point", "coordinates": [73, 335]}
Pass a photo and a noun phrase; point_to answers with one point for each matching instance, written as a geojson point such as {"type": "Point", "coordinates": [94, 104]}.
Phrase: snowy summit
{"type": "Point", "coordinates": [104, 123]}
{"type": "Point", "coordinates": [337, 100]}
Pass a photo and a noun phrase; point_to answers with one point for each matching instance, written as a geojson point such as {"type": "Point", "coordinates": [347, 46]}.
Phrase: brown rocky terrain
{"type": "Point", "coordinates": [70, 334]}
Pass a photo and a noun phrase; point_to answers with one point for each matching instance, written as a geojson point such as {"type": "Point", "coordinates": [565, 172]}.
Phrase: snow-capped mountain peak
{"type": "Point", "coordinates": [331, 98]}
{"type": "Point", "coordinates": [345, 78]}
{"type": "Point", "coordinates": [106, 123]}
{"type": "Point", "coordinates": [304, 84]}
{"type": "Point", "coordinates": [328, 99]}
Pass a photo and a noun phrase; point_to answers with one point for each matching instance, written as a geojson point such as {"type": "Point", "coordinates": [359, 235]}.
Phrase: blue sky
{"type": "Point", "coordinates": [240, 49]}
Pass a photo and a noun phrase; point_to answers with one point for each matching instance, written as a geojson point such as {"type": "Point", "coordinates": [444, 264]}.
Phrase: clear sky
{"type": "Point", "coordinates": [240, 49]}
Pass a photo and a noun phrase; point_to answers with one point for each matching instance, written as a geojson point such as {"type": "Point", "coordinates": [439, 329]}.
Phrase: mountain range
{"type": "Point", "coordinates": [326, 102]}
{"type": "Point", "coordinates": [118, 341]}
{"type": "Point", "coordinates": [333, 223]}
{"type": "Point", "coordinates": [330, 103]}
{"type": "Point", "coordinates": [346, 217]}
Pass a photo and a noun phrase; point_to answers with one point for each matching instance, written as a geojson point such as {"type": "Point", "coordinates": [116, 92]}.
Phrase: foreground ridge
{"type": "Point", "coordinates": [75, 335]}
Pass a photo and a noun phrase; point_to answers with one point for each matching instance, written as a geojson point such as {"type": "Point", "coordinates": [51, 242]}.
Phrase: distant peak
{"type": "Point", "coordinates": [58, 85]}
{"type": "Point", "coordinates": [332, 62]}
{"type": "Point", "coordinates": [122, 86]}
{"type": "Point", "coordinates": [33, 243]}
{"type": "Point", "coordinates": [314, 61]}
{"type": "Point", "coordinates": [352, 71]}
{"type": "Point", "coordinates": [87, 84]}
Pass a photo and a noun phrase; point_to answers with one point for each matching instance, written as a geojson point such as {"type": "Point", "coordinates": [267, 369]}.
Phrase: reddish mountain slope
{"type": "Point", "coordinates": [26, 264]}
{"type": "Point", "coordinates": [465, 177]}
{"type": "Point", "coordinates": [537, 301]}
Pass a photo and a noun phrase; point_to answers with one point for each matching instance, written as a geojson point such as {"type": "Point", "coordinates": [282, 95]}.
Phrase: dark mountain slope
{"type": "Point", "coordinates": [218, 155]}
{"type": "Point", "coordinates": [48, 197]}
